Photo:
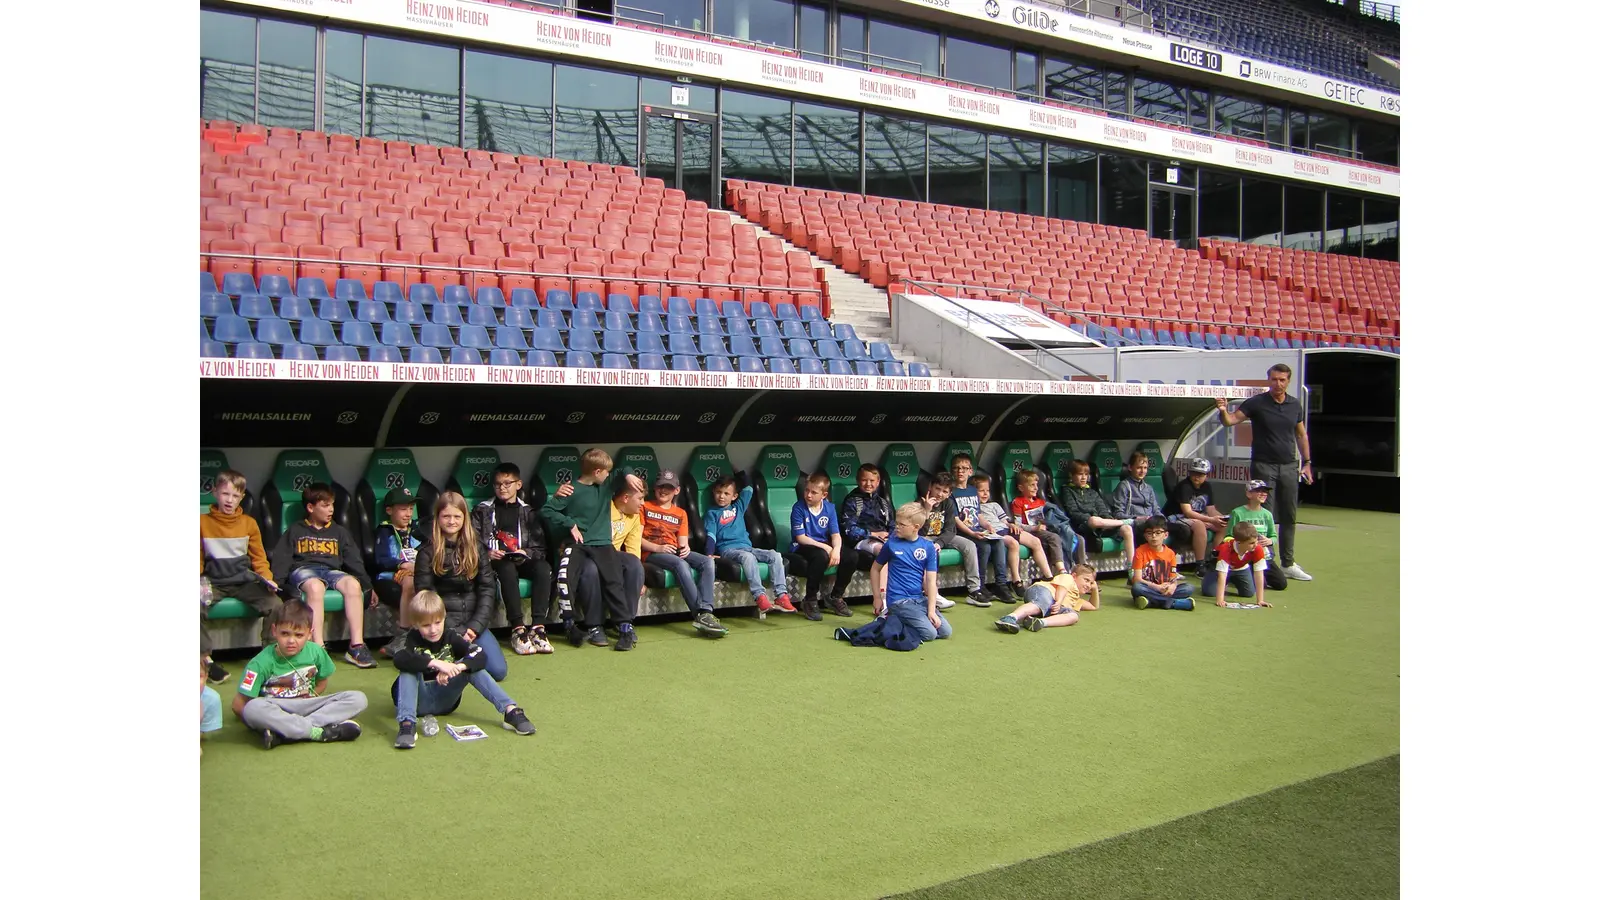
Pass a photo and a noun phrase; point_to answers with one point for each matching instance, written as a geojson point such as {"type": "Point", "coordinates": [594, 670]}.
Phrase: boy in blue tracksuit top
{"type": "Point", "coordinates": [727, 536]}
{"type": "Point", "coordinates": [905, 576]}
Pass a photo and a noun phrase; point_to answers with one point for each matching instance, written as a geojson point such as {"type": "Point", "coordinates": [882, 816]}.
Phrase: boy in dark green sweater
{"type": "Point", "coordinates": [581, 524]}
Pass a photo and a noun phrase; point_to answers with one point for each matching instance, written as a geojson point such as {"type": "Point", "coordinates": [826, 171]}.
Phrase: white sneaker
{"type": "Point", "coordinates": [1297, 573]}
{"type": "Point", "coordinates": [428, 725]}
{"type": "Point", "coordinates": [942, 603]}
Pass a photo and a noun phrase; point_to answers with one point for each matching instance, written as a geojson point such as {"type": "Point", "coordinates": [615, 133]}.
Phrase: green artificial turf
{"type": "Point", "coordinates": [779, 763]}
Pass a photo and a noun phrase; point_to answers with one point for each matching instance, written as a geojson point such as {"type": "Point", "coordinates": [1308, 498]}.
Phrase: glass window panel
{"type": "Point", "coordinates": [1124, 192]}
{"type": "Point", "coordinates": [902, 47]}
{"type": "Point", "coordinates": [655, 92]}
{"type": "Point", "coordinates": [956, 158]}
{"type": "Point", "coordinates": [1074, 81]}
{"type": "Point", "coordinates": [1299, 129]}
{"type": "Point", "coordinates": [1016, 175]}
{"type": "Point", "coordinates": [1329, 133]}
{"type": "Point", "coordinates": [977, 63]}
{"type": "Point", "coordinates": [341, 83]}
{"type": "Point", "coordinates": [755, 137]}
{"type": "Point", "coordinates": [814, 33]}
{"type": "Point", "coordinates": [1275, 126]}
{"type": "Point", "coordinates": [1344, 224]}
{"type": "Point", "coordinates": [597, 116]}
{"type": "Point", "coordinates": [896, 157]}
{"type": "Point", "coordinates": [1219, 205]}
{"type": "Point", "coordinates": [827, 148]}
{"type": "Point", "coordinates": [1074, 181]}
{"type": "Point", "coordinates": [1199, 109]}
{"type": "Point", "coordinates": [1378, 142]}
{"type": "Point", "coordinates": [508, 104]}
{"type": "Point", "coordinates": [687, 14]}
{"type": "Point", "coordinates": [413, 92]}
{"type": "Point", "coordinates": [1262, 208]}
{"type": "Point", "coordinates": [1240, 116]}
{"type": "Point", "coordinates": [288, 75]}
{"type": "Point", "coordinates": [1302, 218]}
{"type": "Point", "coordinates": [227, 66]}
{"type": "Point", "coordinates": [1116, 92]}
{"type": "Point", "coordinates": [1380, 228]}
{"type": "Point", "coordinates": [1027, 77]}
{"type": "Point", "coordinates": [1160, 101]}
{"type": "Point", "coordinates": [763, 21]}
{"type": "Point", "coordinates": [852, 40]}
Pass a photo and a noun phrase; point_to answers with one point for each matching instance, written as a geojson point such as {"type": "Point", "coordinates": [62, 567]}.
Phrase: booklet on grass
{"type": "Point", "coordinates": [466, 732]}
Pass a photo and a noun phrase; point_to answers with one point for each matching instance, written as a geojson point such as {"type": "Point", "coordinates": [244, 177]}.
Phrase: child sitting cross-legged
{"type": "Point", "coordinates": [283, 691]}
{"type": "Point", "coordinates": [1154, 577]}
{"type": "Point", "coordinates": [1055, 603]}
{"type": "Point", "coordinates": [436, 665]}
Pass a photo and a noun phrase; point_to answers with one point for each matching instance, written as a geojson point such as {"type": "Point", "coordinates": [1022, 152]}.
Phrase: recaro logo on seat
{"type": "Point", "coordinates": [302, 463]}
{"type": "Point", "coordinates": [481, 460]}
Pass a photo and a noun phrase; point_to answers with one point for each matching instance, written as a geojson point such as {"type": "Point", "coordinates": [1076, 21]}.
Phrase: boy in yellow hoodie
{"type": "Point", "coordinates": [233, 560]}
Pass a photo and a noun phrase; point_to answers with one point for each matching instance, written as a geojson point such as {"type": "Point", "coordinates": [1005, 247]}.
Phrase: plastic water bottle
{"type": "Point", "coordinates": [205, 591]}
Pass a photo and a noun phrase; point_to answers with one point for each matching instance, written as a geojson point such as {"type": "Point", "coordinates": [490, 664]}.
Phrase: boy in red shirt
{"type": "Point", "coordinates": [1027, 515]}
{"type": "Point", "coordinates": [665, 547]}
{"type": "Point", "coordinates": [1238, 559]}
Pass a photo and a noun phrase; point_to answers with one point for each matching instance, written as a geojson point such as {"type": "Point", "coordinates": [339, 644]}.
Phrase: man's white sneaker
{"type": "Point", "coordinates": [1297, 573]}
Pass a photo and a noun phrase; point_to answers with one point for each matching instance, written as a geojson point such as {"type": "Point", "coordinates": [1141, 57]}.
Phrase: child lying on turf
{"type": "Point", "coordinates": [283, 691]}
{"type": "Point", "coordinates": [435, 666]}
{"type": "Point", "coordinates": [1056, 603]}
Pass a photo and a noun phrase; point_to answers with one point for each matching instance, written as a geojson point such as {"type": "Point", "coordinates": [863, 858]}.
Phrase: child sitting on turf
{"type": "Point", "coordinates": [866, 517]}
{"type": "Point", "coordinates": [1056, 603]}
{"type": "Point", "coordinates": [1154, 577]}
{"type": "Point", "coordinates": [283, 691]}
{"type": "Point", "coordinates": [317, 553]}
{"type": "Point", "coordinates": [905, 576]}
{"type": "Point", "coordinates": [583, 522]}
{"type": "Point", "coordinates": [511, 529]}
{"type": "Point", "coordinates": [394, 552]}
{"type": "Point", "coordinates": [664, 546]}
{"type": "Point", "coordinates": [1255, 512]}
{"type": "Point", "coordinates": [1134, 498]}
{"type": "Point", "coordinates": [727, 536]}
{"type": "Point", "coordinates": [1190, 513]}
{"type": "Point", "coordinates": [1027, 518]}
{"type": "Point", "coordinates": [941, 528]}
{"type": "Point", "coordinates": [435, 666]}
{"type": "Point", "coordinates": [993, 521]}
{"type": "Point", "coordinates": [814, 529]}
{"type": "Point", "coordinates": [233, 560]}
{"type": "Point", "coordinates": [1238, 559]}
{"type": "Point", "coordinates": [1088, 511]}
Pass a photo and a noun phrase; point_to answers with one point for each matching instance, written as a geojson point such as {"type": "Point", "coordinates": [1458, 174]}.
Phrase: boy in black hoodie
{"type": "Point", "coordinates": [315, 554]}
{"type": "Point", "coordinates": [511, 530]}
{"type": "Point", "coordinates": [435, 666]}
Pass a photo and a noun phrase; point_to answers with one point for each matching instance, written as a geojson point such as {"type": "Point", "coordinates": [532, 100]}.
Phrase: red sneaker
{"type": "Point", "coordinates": [763, 604]}
{"type": "Point", "coordinates": [785, 604]}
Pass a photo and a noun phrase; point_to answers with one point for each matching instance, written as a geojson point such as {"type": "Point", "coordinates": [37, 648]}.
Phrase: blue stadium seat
{"type": "Point", "coordinates": [615, 361]}
{"type": "Point", "coordinates": [205, 333]}
{"type": "Point", "coordinates": [844, 332]}
{"type": "Point", "coordinates": [300, 351]}
{"type": "Point", "coordinates": [1163, 337]}
{"type": "Point", "coordinates": [679, 306]}
{"type": "Point", "coordinates": [396, 334]}
{"type": "Point", "coordinates": [368, 311]}
{"type": "Point", "coordinates": [341, 353]}
{"type": "Point", "coordinates": [772, 347]}
{"type": "Point", "coordinates": [919, 370]}
{"type": "Point", "coordinates": [619, 303]}
{"type": "Point", "coordinates": [879, 351]}
{"type": "Point", "coordinates": [840, 367]}
{"type": "Point", "coordinates": [743, 345]}
{"type": "Point", "coordinates": [893, 367]}
{"type": "Point", "coordinates": [818, 330]}
{"type": "Point", "coordinates": [1180, 338]}
{"type": "Point", "coordinates": [331, 310]}
{"type": "Point", "coordinates": [236, 283]}
{"type": "Point", "coordinates": [651, 322]}
{"type": "Point", "coordinates": [547, 339]}
{"type": "Point", "coordinates": [1228, 343]}
{"type": "Point", "coordinates": [425, 355]}
{"type": "Point", "coordinates": [252, 350]}
{"type": "Point", "coordinates": [708, 325]}
{"type": "Point", "coordinates": [552, 318]}
{"type": "Point", "coordinates": [1212, 342]}
{"type": "Point", "coordinates": [456, 294]}
{"type": "Point", "coordinates": [349, 289]}
{"type": "Point", "coordinates": [208, 283]}
{"type": "Point", "coordinates": [679, 324]}
{"type": "Point", "coordinates": [383, 353]}
{"type": "Point", "coordinates": [682, 344]}
{"type": "Point", "coordinates": [215, 303]}
{"type": "Point", "coordinates": [615, 321]}
{"type": "Point", "coordinates": [294, 309]}
{"type": "Point", "coordinates": [317, 333]}
{"type": "Point", "coordinates": [580, 359]}
{"type": "Point", "coordinates": [716, 363]}
{"type": "Point", "coordinates": [256, 306]}
{"type": "Point", "coordinates": [616, 342]}
{"type": "Point", "coordinates": [387, 292]}
{"type": "Point", "coordinates": [422, 293]}
{"type": "Point", "coordinates": [711, 345]}
{"type": "Point", "coordinates": [650, 303]}
{"type": "Point", "coordinates": [557, 299]}
{"type": "Point", "coordinates": [811, 366]}
{"type": "Point", "coordinates": [520, 317]}
{"type": "Point", "coordinates": [794, 329]}
{"type": "Point", "coordinates": [781, 365]}
{"type": "Point", "coordinates": [446, 314]}
{"type": "Point", "coordinates": [582, 339]}
{"type": "Point", "coordinates": [312, 289]}
{"type": "Point", "coordinates": [275, 331]}
{"type": "Point", "coordinates": [1130, 337]}
{"type": "Point", "coordinates": [358, 334]}
{"type": "Point", "coordinates": [733, 309]}
{"type": "Point", "coordinates": [802, 350]}
{"type": "Point", "coordinates": [652, 342]}
{"type": "Point", "coordinates": [829, 349]}
{"type": "Point", "coordinates": [685, 364]}
{"type": "Point", "coordinates": [524, 298]}
{"type": "Point", "coordinates": [786, 312]}
{"type": "Point", "coordinates": [410, 313]}
{"type": "Point", "coordinates": [588, 300]}
{"type": "Point", "coordinates": [751, 365]}
{"type": "Point", "coordinates": [1254, 343]}
{"type": "Point", "coordinates": [500, 356]}
{"type": "Point", "coordinates": [276, 286]}
{"type": "Point", "coordinates": [483, 316]}
{"type": "Point", "coordinates": [705, 306]}
{"type": "Point", "coordinates": [1269, 343]}
{"type": "Point", "coordinates": [491, 296]}
{"type": "Point", "coordinates": [542, 358]}
{"type": "Point", "coordinates": [474, 336]}
{"type": "Point", "coordinates": [761, 309]}
{"type": "Point", "coordinates": [1093, 332]}
{"type": "Point", "coordinates": [765, 327]}
{"type": "Point", "coordinates": [1146, 336]}
{"type": "Point", "coordinates": [465, 356]}
{"type": "Point", "coordinates": [652, 361]}
{"type": "Point", "coordinates": [213, 348]}
{"type": "Point", "coordinates": [811, 313]}
{"type": "Point", "coordinates": [739, 326]}
{"type": "Point", "coordinates": [854, 349]}
{"type": "Point", "coordinates": [585, 319]}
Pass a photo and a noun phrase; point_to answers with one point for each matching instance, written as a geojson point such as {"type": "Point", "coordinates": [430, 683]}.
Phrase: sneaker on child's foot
{"type": "Point", "coordinates": [763, 605]}
{"type": "Point", "coordinates": [215, 673]}
{"type": "Point", "coordinates": [998, 592]}
{"type": "Point", "coordinates": [1140, 601]}
{"type": "Point", "coordinates": [270, 738]}
{"type": "Point", "coordinates": [347, 730]}
{"type": "Point", "coordinates": [387, 651]}
{"type": "Point", "coordinates": [841, 634]}
{"type": "Point", "coordinates": [1035, 624]}
{"type": "Point", "coordinates": [516, 720]}
{"type": "Point", "coordinates": [809, 609]}
{"type": "Point", "coordinates": [520, 645]}
{"type": "Point", "coordinates": [1018, 591]}
{"type": "Point", "coordinates": [785, 604]}
{"type": "Point", "coordinates": [407, 738]}
{"type": "Point", "coordinates": [977, 599]}
{"type": "Point", "coordinates": [539, 641]}
{"type": "Point", "coordinates": [840, 608]}
{"type": "Point", "coordinates": [597, 637]}
{"type": "Point", "coordinates": [574, 633]}
{"type": "Point", "coordinates": [626, 637]}
{"type": "Point", "coordinates": [1008, 624]}
{"type": "Point", "coordinates": [359, 656]}
{"type": "Point", "coordinates": [940, 601]}
{"type": "Point", "coordinates": [430, 726]}
{"type": "Point", "coordinates": [708, 624]}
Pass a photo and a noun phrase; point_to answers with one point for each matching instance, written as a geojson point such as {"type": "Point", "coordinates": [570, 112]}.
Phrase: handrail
{"type": "Point", "coordinates": [1021, 337]}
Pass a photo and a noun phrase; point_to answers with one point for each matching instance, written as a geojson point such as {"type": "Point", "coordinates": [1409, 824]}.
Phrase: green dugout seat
{"type": "Point", "coordinates": [777, 482]}
{"type": "Point", "coordinates": [640, 461]}
{"type": "Point", "coordinates": [388, 468]}
{"type": "Point", "coordinates": [839, 463]}
{"type": "Point", "coordinates": [1053, 467]}
{"type": "Point", "coordinates": [554, 467]}
{"type": "Point", "coordinates": [1158, 470]}
{"type": "Point", "coordinates": [706, 466]}
{"type": "Point", "coordinates": [472, 476]}
{"type": "Point", "coordinates": [1014, 457]}
{"type": "Point", "coordinates": [1106, 462]}
{"type": "Point", "coordinates": [281, 501]}
{"type": "Point", "coordinates": [954, 447]}
{"type": "Point", "coordinates": [901, 473]}
{"type": "Point", "coordinates": [229, 608]}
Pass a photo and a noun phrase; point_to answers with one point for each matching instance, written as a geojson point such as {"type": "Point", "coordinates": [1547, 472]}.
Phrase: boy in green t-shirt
{"type": "Point", "coordinates": [282, 691]}
{"type": "Point", "coordinates": [1256, 513]}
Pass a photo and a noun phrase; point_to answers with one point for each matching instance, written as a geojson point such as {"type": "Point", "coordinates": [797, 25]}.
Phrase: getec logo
{"type": "Point", "coordinates": [1198, 58]}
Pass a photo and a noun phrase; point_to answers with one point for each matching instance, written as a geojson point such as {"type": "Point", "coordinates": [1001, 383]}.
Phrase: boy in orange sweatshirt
{"type": "Point", "coordinates": [233, 560]}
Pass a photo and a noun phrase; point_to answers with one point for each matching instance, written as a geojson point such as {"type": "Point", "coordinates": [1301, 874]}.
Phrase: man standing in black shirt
{"type": "Point", "coordinates": [1278, 429]}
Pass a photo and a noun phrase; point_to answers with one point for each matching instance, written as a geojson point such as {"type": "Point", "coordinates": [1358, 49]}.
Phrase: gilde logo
{"type": "Point", "coordinates": [428, 418]}
{"type": "Point", "coordinates": [991, 8]}
{"type": "Point", "coordinates": [346, 417]}
{"type": "Point", "coordinates": [574, 418]}
{"type": "Point", "coordinates": [707, 418]}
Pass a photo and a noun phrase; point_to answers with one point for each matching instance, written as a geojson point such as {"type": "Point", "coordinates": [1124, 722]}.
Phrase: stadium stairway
{"type": "Point", "coordinates": [852, 300]}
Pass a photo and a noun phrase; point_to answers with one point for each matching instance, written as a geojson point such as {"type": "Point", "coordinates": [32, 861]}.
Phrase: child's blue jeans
{"type": "Point", "coordinates": [748, 558]}
{"type": "Point", "coordinates": [420, 695]}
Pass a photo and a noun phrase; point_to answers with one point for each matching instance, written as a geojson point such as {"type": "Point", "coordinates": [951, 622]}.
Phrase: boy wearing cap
{"type": "Point", "coordinates": [665, 548]}
{"type": "Point", "coordinates": [1255, 512]}
{"type": "Point", "coordinates": [394, 553]}
{"type": "Point", "coordinates": [1190, 512]}
{"type": "Point", "coordinates": [511, 530]}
